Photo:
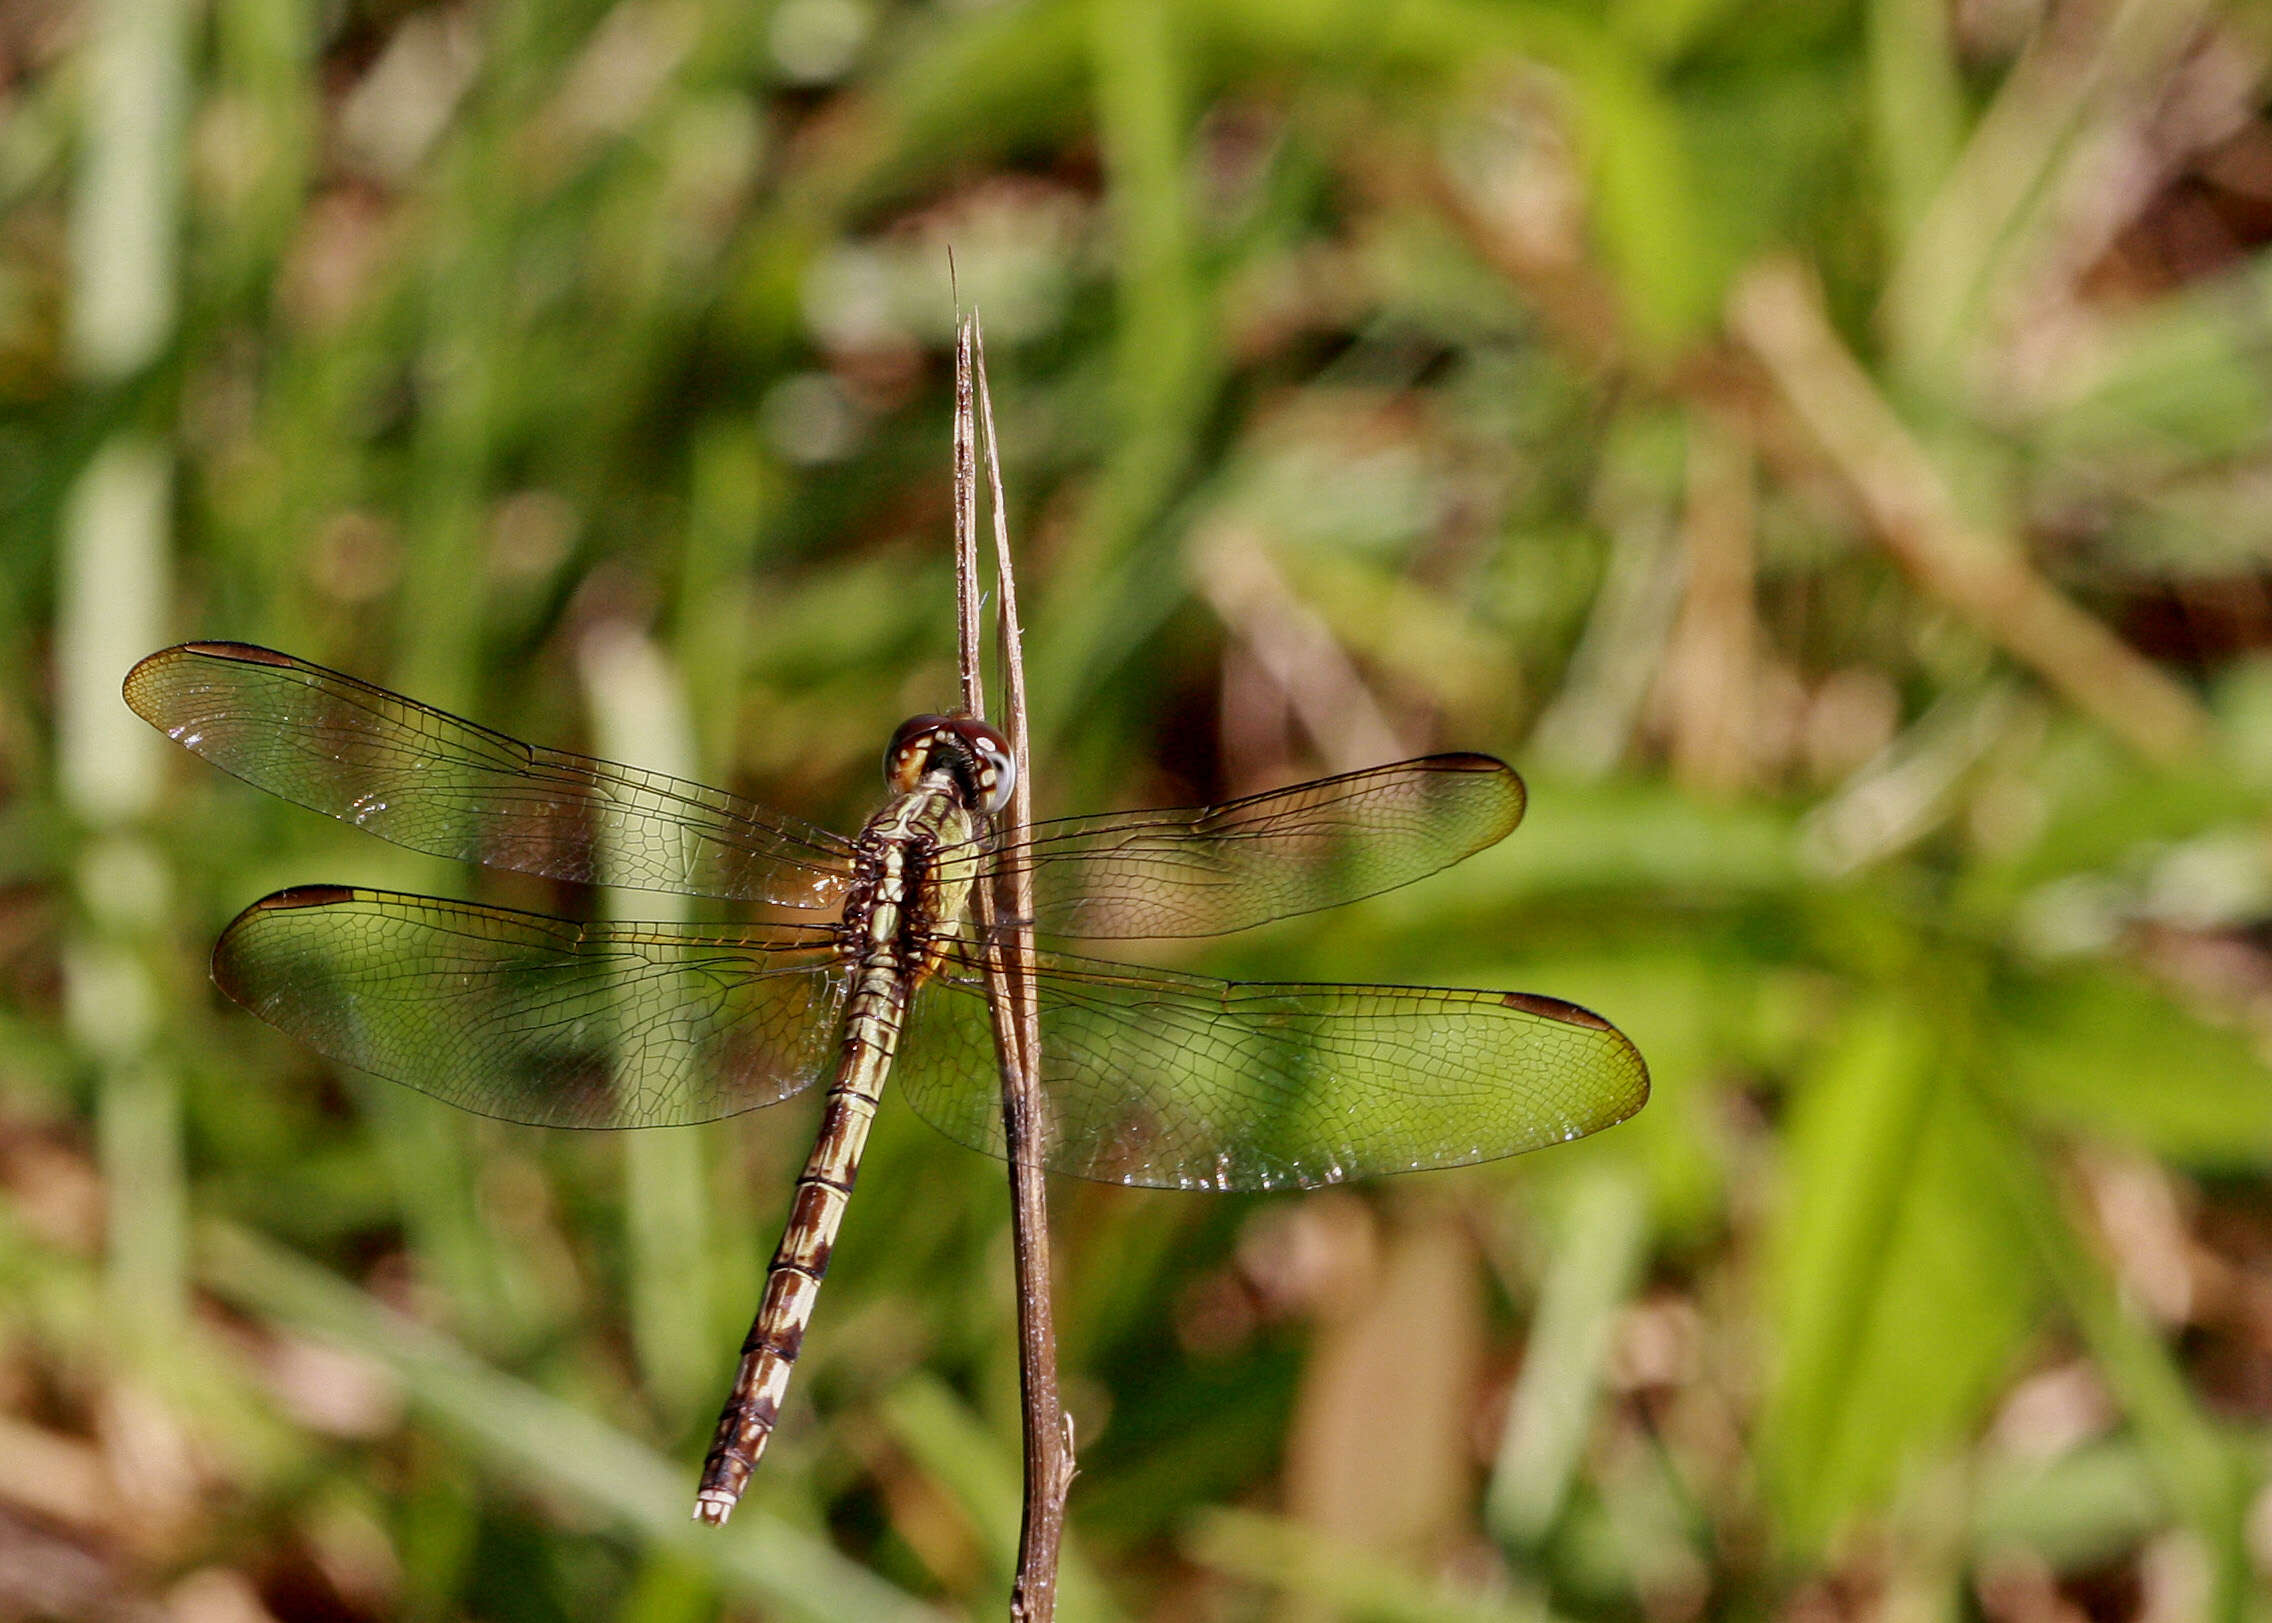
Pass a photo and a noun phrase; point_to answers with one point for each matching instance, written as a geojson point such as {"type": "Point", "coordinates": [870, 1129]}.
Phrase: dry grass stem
{"type": "Point", "coordinates": [1777, 313]}
{"type": "Point", "coordinates": [1003, 921]}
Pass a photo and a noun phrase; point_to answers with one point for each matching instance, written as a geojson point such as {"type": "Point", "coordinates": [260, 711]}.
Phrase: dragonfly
{"type": "Point", "coordinates": [1147, 1077]}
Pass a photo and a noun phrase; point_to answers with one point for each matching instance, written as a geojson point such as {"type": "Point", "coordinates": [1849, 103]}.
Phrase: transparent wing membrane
{"type": "Point", "coordinates": [1147, 1078]}
{"type": "Point", "coordinates": [1209, 870]}
{"type": "Point", "coordinates": [1167, 1081]}
{"type": "Point", "coordinates": [538, 1020]}
{"type": "Point", "coordinates": [427, 780]}
{"type": "Point", "coordinates": [1178, 1082]}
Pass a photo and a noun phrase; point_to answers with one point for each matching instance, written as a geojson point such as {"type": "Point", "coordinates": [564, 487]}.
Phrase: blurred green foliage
{"type": "Point", "coordinates": [1823, 446]}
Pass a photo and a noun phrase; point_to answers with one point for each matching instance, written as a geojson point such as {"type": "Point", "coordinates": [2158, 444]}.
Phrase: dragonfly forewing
{"type": "Point", "coordinates": [539, 1020]}
{"type": "Point", "coordinates": [427, 780]}
{"type": "Point", "coordinates": [1181, 1082]}
{"type": "Point", "coordinates": [1210, 870]}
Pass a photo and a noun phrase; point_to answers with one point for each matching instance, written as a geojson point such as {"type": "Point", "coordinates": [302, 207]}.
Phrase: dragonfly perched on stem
{"type": "Point", "coordinates": [1147, 1077]}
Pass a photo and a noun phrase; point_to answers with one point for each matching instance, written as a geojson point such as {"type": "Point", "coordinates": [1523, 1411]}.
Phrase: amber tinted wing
{"type": "Point", "coordinates": [424, 779]}
{"type": "Point", "coordinates": [539, 1020]}
{"type": "Point", "coordinates": [1173, 1081]}
{"type": "Point", "coordinates": [1207, 870]}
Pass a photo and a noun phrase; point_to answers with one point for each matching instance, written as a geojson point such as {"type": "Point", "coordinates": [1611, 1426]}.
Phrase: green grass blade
{"type": "Point", "coordinates": [527, 1434]}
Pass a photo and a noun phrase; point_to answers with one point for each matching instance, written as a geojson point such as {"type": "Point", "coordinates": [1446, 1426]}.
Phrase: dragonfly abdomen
{"type": "Point", "coordinates": [792, 1283]}
{"type": "Point", "coordinates": [890, 911]}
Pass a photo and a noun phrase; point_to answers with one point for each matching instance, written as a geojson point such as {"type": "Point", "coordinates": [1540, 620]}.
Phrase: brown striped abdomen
{"type": "Point", "coordinates": [793, 1281]}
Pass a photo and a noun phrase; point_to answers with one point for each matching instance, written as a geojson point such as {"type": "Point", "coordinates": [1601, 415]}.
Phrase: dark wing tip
{"type": "Point", "coordinates": [243, 653]}
{"type": "Point", "coordinates": [1547, 1008]}
{"type": "Point", "coordinates": [304, 896]}
{"type": "Point", "coordinates": [151, 667]}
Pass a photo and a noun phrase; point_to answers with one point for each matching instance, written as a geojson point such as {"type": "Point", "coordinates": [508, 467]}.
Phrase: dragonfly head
{"type": "Point", "coordinates": [977, 755]}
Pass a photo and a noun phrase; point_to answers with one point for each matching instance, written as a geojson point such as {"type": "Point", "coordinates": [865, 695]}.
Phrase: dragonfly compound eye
{"type": "Point", "coordinates": [978, 756]}
{"type": "Point", "coordinates": [908, 756]}
{"type": "Point", "coordinates": [993, 769]}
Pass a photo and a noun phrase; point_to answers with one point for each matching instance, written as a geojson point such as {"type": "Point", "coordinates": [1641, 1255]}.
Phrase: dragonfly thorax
{"type": "Point", "coordinates": [900, 897]}
{"type": "Point", "coordinates": [974, 754]}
